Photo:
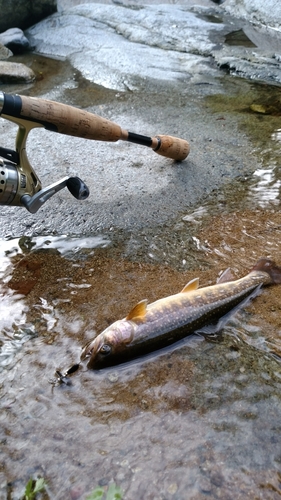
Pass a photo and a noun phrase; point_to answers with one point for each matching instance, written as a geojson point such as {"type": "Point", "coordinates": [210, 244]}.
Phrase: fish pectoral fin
{"type": "Point", "coordinates": [226, 276]}
{"type": "Point", "coordinates": [191, 285]}
{"type": "Point", "coordinates": [139, 311]}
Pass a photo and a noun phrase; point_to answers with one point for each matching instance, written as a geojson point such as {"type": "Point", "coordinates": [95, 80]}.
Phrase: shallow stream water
{"type": "Point", "coordinates": [200, 420]}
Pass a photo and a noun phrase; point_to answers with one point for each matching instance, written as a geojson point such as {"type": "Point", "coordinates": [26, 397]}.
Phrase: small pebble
{"type": "Point", "coordinates": [112, 377]}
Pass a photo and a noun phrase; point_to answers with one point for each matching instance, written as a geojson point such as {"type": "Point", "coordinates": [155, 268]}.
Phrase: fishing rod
{"type": "Point", "coordinates": [20, 185]}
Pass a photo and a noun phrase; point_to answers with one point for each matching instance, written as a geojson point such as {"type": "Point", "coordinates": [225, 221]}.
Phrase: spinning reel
{"type": "Point", "coordinates": [19, 184]}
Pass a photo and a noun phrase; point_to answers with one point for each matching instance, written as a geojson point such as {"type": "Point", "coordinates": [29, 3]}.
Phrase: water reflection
{"type": "Point", "coordinates": [266, 189]}
{"type": "Point", "coordinates": [265, 185]}
{"type": "Point", "coordinates": [12, 310]}
{"type": "Point", "coordinates": [276, 136]}
{"type": "Point", "coordinates": [69, 245]}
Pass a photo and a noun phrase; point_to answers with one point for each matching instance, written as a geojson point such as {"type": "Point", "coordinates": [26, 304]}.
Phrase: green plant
{"type": "Point", "coordinates": [113, 493]}
{"type": "Point", "coordinates": [33, 487]}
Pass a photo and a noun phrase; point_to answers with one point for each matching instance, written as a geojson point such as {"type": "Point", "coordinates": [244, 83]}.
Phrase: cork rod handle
{"type": "Point", "coordinates": [72, 121]}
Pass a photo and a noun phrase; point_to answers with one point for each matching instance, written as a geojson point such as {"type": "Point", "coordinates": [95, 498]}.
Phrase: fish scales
{"type": "Point", "coordinates": [149, 327]}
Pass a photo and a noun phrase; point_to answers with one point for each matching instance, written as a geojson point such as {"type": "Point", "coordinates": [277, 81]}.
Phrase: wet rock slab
{"type": "Point", "coordinates": [119, 46]}
{"type": "Point", "coordinates": [257, 11]}
{"type": "Point", "coordinates": [130, 186]}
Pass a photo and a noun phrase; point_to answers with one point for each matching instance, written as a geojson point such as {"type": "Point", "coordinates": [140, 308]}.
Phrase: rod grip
{"type": "Point", "coordinates": [68, 120]}
{"type": "Point", "coordinates": [76, 122]}
{"type": "Point", "coordinates": [172, 147]}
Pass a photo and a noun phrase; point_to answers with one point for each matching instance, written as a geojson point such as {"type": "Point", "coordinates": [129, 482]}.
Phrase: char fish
{"type": "Point", "coordinates": [149, 327]}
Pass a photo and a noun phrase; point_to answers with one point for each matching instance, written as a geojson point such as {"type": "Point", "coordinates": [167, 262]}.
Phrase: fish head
{"type": "Point", "coordinates": [108, 346]}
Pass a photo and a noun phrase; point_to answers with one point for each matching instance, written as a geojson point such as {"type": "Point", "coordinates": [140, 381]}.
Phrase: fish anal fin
{"type": "Point", "coordinates": [191, 285]}
{"type": "Point", "coordinates": [226, 276]}
{"type": "Point", "coordinates": [138, 311]}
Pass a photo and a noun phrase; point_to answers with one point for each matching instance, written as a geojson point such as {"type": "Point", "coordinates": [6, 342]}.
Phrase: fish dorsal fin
{"type": "Point", "coordinates": [138, 312]}
{"type": "Point", "coordinates": [191, 285]}
{"type": "Point", "coordinates": [226, 276]}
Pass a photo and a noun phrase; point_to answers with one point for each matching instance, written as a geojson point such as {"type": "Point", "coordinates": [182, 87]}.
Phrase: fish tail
{"type": "Point", "coordinates": [269, 267]}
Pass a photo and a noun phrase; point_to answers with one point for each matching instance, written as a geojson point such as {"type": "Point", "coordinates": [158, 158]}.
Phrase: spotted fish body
{"type": "Point", "coordinates": [149, 327]}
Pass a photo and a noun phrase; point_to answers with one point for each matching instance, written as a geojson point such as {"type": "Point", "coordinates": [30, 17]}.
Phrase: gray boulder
{"type": "Point", "coordinates": [15, 40]}
{"type": "Point", "coordinates": [5, 53]}
{"type": "Point", "coordinates": [24, 13]}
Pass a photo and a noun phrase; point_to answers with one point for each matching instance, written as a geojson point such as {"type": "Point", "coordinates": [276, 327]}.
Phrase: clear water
{"type": "Point", "coordinates": [201, 420]}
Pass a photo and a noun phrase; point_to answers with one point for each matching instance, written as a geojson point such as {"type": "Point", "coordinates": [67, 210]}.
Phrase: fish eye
{"type": "Point", "coordinates": [105, 349]}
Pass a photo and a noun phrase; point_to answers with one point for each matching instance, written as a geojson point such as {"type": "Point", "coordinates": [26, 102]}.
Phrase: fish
{"type": "Point", "coordinates": [150, 327]}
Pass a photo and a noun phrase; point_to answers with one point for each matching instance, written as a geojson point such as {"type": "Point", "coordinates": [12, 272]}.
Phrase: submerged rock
{"type": "Point", "coordinates": [15, 73]}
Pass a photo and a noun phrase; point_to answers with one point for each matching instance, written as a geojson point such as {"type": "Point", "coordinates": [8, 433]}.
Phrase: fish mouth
{"type": "Point", "coordinates": [89, 350]}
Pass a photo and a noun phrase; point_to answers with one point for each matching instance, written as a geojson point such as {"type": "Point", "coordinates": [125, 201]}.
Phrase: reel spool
{"type": "Point", "coordinates": [9, 180]}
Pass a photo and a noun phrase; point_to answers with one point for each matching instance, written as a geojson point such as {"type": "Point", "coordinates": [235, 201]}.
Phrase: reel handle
{"type": "Point", "coordinates": [74, 184]}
